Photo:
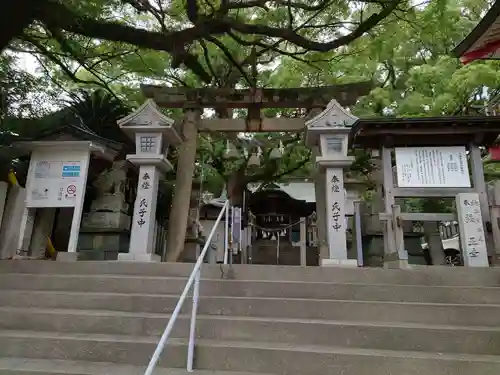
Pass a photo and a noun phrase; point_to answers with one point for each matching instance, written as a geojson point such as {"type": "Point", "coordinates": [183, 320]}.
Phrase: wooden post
{"type": "Point", "coordinates": [177, 224]}
{"type": "Point", "coordinates": [390, 252]}
{"type": "Point", "coordinates": [399, 238]}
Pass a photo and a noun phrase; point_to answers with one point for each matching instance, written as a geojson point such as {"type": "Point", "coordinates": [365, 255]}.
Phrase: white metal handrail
{"type": "Point", "coordinates": [226, 235]}
{"type": "Point", "coordinates": [193, 278]}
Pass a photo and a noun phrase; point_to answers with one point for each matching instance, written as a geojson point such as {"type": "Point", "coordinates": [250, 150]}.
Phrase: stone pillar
{"type": "Point", "coordinates": [9, 231]}
{"type": "Point", "coordinates": [434, 242]}
{"type": "Point", "coordinates": [303, 241]}
{"type": "Point", "coordinates": [42, 229]}
{"type": "Point", "coordinates": [472, 235]}
{"type": "Point", "coordinates": [142, 235]}
{"type": "Point", "coordinates": [336, 223]}
{"type": "Point", "coordinates": [3, 198]}
{"type": "Point", "coordinates": [183, 183]}
{"type": "Point", "coordinates": [479, 184]}
{"type": "Point", "coordinates": [26, 231]}
{"type": "Point", "coordinates": [320, 190]}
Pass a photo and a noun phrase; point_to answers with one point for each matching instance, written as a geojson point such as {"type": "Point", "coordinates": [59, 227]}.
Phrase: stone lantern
{"type": "Point", "coordinates": [153, 133]}
{"type": "Point", "coordinates": [328, 131]}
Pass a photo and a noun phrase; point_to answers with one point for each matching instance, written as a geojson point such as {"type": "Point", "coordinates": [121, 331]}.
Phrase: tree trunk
{"type": "Point", "coordinates": [179, 212]}
{"type": "Point", "coordinates": [236, 186]}
{"type": "Point", "coordinates": [15, 16]}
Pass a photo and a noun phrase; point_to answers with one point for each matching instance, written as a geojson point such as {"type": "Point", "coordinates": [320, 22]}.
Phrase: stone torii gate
{"type": "Point", "coordinates": [194, 101]}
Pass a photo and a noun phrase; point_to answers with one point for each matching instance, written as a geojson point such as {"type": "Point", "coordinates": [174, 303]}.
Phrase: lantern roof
{"type": "Point", "coordinates": [334, 119]}
{"type": "Point", "coordinates": [149, 118]}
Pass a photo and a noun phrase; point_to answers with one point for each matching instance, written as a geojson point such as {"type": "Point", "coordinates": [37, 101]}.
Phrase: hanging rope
{"type": "Point", "coordinates": [278, 229]}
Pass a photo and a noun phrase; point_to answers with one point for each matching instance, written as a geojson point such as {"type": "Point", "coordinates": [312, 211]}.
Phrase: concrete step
{"type": "Point", "coordinates": [422, 313]}
{"type": "Point", "coordinates": [443, 276]}
{"type": "Point", "coordinates": [30, 366]}
{"type": "Point", "coordinates": [252, 288]}
{"type": "Point", "coordinates": [253, 357]}
{"type": "Point", "coordinates": [367, 335]}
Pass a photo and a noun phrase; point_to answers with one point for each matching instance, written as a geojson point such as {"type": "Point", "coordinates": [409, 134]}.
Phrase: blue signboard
{"type": "Point", "coordinates": [71, 171]}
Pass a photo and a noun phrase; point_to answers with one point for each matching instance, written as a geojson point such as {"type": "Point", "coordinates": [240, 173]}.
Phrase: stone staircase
{"type": "Point", "coordinates": [105, 318]}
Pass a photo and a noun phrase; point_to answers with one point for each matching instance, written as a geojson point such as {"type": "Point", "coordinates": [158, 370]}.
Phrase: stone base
{"type": "Point", "coordinates": [98, 254]}
{"type": "Point", "coordinates": [397, 264]}
{"type": "Point", "coordinates": [144, 258]}
{"type": "Point", "coordinates": [339, 263]}
{"type": "Point", "coordinates": [397, 261]}
{"type": "Point", "coordinates": [102, 245]}
{"type": "Point", "coordinates": [65, 256]}
{"type": "Point", "coordinates": [495, 260]}
{"type": "Point", "coordinates": [190, 252]}
{"type": "Point", "coordinates": [105, 222]}
{"type": "Point", "coordinates": [109, 202]}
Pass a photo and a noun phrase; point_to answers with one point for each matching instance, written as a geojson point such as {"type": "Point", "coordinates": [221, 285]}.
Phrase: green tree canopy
{"type": "Point", "coordinates": [115, 45]}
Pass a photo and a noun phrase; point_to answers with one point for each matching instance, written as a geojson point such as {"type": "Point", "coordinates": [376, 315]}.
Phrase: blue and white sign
{"type": "Point", "coordinates": [71, 170]}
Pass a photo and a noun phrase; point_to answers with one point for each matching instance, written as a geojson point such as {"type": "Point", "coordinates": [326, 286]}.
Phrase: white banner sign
{"type": "Point", "coordinates": [432, 167]}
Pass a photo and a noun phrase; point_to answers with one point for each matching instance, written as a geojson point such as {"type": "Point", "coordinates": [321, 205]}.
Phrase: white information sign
{"type": "Point", "coordinates": [432, 167]}
{"type": "Point", "coordinates": [56, 178]}
{"type": "Point", "coordinates": [472, 237]}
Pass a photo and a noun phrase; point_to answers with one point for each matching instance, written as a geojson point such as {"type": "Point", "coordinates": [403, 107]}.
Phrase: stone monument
{"type": "Point", "coordinates": [105, 230]}
{"type": "Point", "coordinates": [472, 235]}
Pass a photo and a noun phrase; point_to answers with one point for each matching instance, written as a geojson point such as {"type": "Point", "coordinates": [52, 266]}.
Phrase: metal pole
{"type": "Point", "coordinates": [226, 234]}
{"type": "Point", "coordinates": [278, 248]}
{"type": "Point", "coordinates": [230, 251]}
{"type": "Point", "coordinates": [192, 327]}
{"type": "Point", "coordinates": [357, 228]}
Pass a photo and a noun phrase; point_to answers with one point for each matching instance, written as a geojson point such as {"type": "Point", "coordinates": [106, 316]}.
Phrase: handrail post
{"type": "Point", "coordinates": [226, 235]}
{"type": "Point", "coordinates": [192, 327]}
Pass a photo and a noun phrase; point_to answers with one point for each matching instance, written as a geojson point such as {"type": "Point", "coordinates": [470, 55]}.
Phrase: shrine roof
{"type": "Point", "coordinates": [424, 131]}
{"type": "Point", "coordinates": [79, 131]}
{"type": "Point", "coordinates": [483, 42]}
{"type": "Point", "coordinates": [278, 201]}
{"type": "Point", "coordinates": [297, 190]}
